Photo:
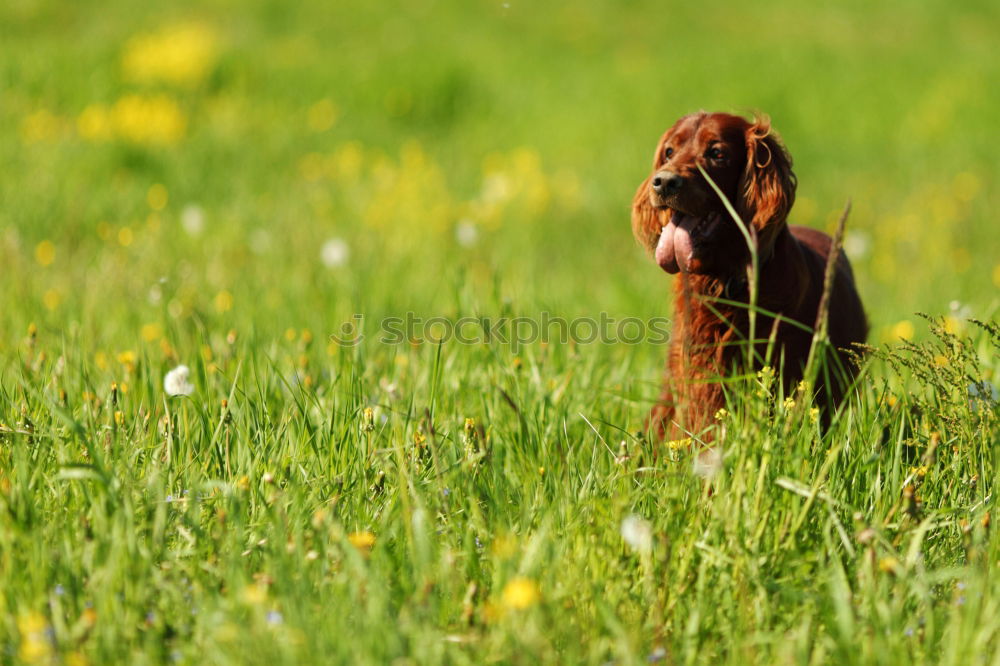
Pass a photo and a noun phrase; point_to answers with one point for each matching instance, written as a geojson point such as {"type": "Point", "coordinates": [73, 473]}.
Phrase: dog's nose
{"type": "Point", "coordinates": [666, 183]}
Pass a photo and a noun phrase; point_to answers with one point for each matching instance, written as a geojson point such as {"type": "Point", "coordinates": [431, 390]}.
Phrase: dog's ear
{"type": "Point", "coordinates": [767, 187]}
{"type": "Point", "coordinates": [648, 222]}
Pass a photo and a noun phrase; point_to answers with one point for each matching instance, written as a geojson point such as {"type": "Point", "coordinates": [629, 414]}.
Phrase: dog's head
{"type": "Point", "coordinates": [679, 217]}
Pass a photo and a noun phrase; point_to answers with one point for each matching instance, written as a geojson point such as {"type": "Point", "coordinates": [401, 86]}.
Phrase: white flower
{"type": "Point", "coordinates": [334, 253]}
{"type": "Point", "coordinates": [466, 233]}
{"type": "Point", "coordinates": [708, 463]}
{"type": "Point", "coordinates": [959, 311]}
{"type": "Point", "coordinates": [260, 241]}
{"type": "Point", "coordinates": [193, 219]}
{"type": "Point", "coordinates": [856, 244]}
{"type": "Point", "coordinates": [637, 533]}
{"type": "Point", "coordinates": [176, 381]}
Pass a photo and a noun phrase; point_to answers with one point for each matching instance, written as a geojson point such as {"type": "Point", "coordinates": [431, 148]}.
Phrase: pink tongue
{"type": "Point", "coordinates": [673, 251]}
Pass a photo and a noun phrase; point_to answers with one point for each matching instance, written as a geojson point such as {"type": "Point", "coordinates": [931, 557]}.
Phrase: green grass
{"type": "Point", "coordinates": [140, 527]}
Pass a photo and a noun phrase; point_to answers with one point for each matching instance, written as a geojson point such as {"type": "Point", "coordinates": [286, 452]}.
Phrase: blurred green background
{"type": "Point", "coordinates": [486, 147]}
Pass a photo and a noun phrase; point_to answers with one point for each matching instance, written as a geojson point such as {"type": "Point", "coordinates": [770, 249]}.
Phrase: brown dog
{"type": "Point", "coordinates": [679, 217]}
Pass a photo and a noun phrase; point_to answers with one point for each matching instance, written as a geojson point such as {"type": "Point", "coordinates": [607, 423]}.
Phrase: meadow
{"type": "Point", "coordinates": [249, 188]}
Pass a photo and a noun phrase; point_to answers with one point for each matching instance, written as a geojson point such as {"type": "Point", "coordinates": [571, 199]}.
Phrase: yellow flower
{"type": "Point", "coordinates": [520, 593]}
{"type": "Point", "coordinates": [504, 547]}
{"type": "Point", "coordinates": [45, 253]}
{"type": "Point", "coordinates": [368, 419]}
{"type": "Point", "coordinates": [721, 413]}
{"type": "Point", "coordinates": [125, 236]}
{"type": "Point", "coordinates": [814, 414]}
{"type": "Point", "coordinates": [223, 301]}
{"type": "Point", "coordinates": [322, 115]}
{"type": "Point", "coordinates": [94, 123]}
{"type": "Point", "coordinates": [919, 471]}
{"type": "Point", "coordinates": [180, 54]}
{"type": "Point", "coordinates": [153, 120]}
{"type": "Point", "coordinates": [363, 541]}
{"type": "Point", "coordinates": [151, 332]}
{"type": "Point", "coordinates": [51, 299]}
{"type": "Point", "coordinates": [888, 565]}
{"type": "Point", "coordinates": [255, 593]}
{"type": "Point", "coordinates": [157, 196]}
{"type": "Point", "coordinates": [679, 444]}
{"type": "Point", "coordinates": [789, 403]}
{"type": "Point", "coordinates": [902, 330]}
{"type": "Point", "coordinates": [35, 645]}
{"type": "Point", "coordinates": [76, 659]}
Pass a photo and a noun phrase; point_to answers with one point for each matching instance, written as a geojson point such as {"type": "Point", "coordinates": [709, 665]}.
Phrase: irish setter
{"type": "Point", "coordinates": [682, 221]}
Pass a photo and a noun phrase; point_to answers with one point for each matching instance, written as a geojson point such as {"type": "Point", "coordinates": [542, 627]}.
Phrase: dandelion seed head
{"type": "Point", "coordinates": [856, 244]}
{"type": "Point", "coordinates": [637, 533]}
{"type": "Point", "coordinates": [466, 233]}
{"type": "Point", "coordinates": [176, 381]}
{"type": "Point", "coordinates": [708, 463]}
{"type": "Point", "coordinates": [334, 253]}
{"type": "Point", "coordinates": [260, 241]}
{"type": "Point", "coordinates": [193, 219]}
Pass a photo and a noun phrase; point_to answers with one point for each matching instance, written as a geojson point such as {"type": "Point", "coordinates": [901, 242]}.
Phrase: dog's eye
{"type": "Point", "coordinates": [667, 153]}
{"type": "Point", "coordinates": [714, 154]}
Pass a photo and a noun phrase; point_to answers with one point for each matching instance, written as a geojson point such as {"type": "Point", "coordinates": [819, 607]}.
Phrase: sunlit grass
{"type": "Point", "coordinates": [224, 188]}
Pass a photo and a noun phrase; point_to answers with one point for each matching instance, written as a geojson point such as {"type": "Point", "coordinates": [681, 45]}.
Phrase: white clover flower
{"type": "Point", "coordinates": [466, 233]}
{"type": "Point", "coordinates": [176, 381]}
{"type": "Point", "coordinates": [193, 219]}
{"type": "Point", "coordinates": [637, 533]}
{"type": "Point", "coordinates": [334, 253]}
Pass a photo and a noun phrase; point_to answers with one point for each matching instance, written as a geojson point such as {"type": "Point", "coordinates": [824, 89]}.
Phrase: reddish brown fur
{"type": "Point", "coordinates": [755, 174]}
